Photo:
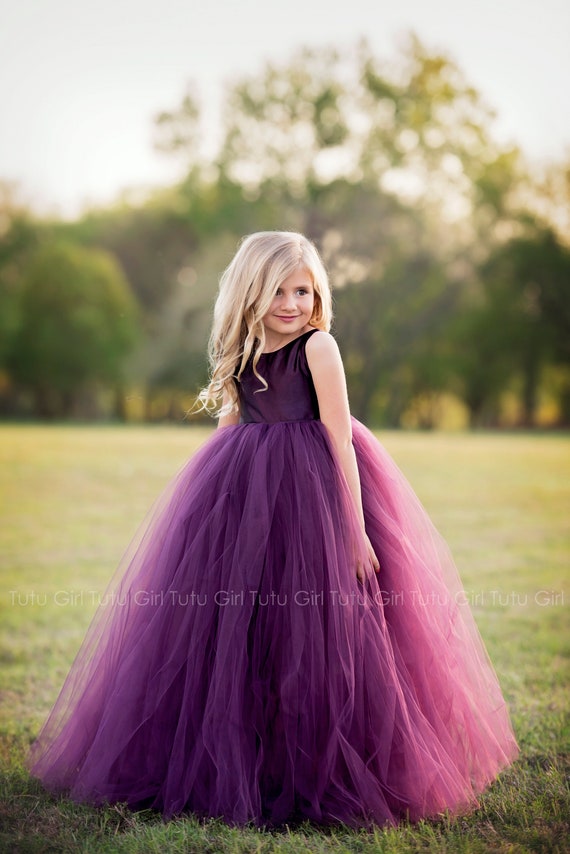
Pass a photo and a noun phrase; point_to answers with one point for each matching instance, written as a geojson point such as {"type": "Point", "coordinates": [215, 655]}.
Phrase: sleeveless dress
{"type": "Point", "coordinates": [237, 668]}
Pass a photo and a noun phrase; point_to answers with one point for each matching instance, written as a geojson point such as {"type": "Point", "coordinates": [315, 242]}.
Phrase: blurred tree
{"type": "Point", "coordinates": [392, 169]}
{"type": "Point", "coordinates": [149, 241]}
{"type": "Point", "coordinates": [178, 131]}
{"type": "Point", "coordinates": [78, 322]}
{"type": "Point", "coordinates": [276, 126]}
{"type": "Point", "coordinates": [545, 193]}
{"type": "Point", "coordinates": [480, 361]}
{"type": "Point", "coordinates": [18, 237]}
{"type": "Point", "coordinates": [522, 324]}
{"type": "Point", "coordinates": [387, 328]}
{"type": "Point", "coordinates": [415, 127]}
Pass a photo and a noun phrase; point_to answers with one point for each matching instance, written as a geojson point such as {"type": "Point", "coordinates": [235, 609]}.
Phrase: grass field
{"type": "Point", "coordinates": [71, 498]}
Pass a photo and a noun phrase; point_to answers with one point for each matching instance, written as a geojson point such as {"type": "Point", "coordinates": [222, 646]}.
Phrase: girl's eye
{"type": "Point", "coordinates": [302, 291]}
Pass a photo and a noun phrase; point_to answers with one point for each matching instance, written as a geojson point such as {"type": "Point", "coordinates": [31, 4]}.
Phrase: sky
{"type": "Point", "coordinates": [80, 81]}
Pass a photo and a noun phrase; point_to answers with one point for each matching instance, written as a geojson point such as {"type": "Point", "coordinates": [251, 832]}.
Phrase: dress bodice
{"type": "Point", "coordinates": [290, 395]}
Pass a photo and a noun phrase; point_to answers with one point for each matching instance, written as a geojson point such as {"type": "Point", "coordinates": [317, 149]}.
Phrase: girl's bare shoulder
{"type": "Point", "coordinates": [323, 355]}
{"type": "Point", "coordinates": [321, 343]}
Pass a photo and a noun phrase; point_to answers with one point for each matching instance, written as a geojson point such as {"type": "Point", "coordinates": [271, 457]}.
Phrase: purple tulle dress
{"type": "Point", "coordinates": [237, 668]}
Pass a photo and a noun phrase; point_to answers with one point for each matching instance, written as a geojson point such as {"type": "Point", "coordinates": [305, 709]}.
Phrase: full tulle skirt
{"type": "Point", "coordinates": [237, 667]}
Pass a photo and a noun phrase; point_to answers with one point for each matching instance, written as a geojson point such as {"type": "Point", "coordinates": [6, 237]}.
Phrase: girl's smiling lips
{"type": "Point", "coordinates": [287, 317]}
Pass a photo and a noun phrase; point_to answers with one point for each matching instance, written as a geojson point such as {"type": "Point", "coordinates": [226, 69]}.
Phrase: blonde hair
{"type": "Point", "coordinates": [247, 288]}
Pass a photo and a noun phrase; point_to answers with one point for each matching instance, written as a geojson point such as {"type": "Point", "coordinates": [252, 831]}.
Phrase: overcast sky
{"type": "Point", "coordinates": [80, 81]}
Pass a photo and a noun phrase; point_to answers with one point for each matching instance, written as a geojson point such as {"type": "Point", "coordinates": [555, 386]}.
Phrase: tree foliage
{"type": "Point", "coordinates": [77, 325]}
{"type": "Point", "coordinates": [18, 238]}
{"type": "Point", "coordinates": [527, 292]}
{"type": "Point", "coordinates": [448, 258]}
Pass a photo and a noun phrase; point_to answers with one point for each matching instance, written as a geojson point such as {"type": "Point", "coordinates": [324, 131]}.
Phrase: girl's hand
{"type": "Point", "coordinates": [374, 562]}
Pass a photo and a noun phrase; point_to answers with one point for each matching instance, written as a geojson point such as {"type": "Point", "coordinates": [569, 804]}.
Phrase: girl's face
{"type": "Point", "coordinates": [291, 309]}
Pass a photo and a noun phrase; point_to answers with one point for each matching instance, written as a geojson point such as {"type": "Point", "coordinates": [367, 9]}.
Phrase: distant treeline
{"type": "Point", "coordinates": [448, 255]}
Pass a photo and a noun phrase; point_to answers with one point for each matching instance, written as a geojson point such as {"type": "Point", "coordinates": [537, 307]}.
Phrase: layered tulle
{"type": "Point", "coordinates": [237, 667]}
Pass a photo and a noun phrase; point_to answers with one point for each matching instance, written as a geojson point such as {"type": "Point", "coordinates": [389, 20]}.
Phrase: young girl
{"type": "Point", "coordinates": [288, 638]}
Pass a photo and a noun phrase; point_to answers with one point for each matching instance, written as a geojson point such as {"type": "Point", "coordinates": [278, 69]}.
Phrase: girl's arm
{"type": "Point", "coordinates": [327, 370]}
{"type": "Point", "coordinates": [231, 418]}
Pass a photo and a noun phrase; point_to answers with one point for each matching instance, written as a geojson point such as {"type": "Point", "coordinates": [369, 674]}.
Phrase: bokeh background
{"type": "Point", "coordinates": [424, 147]}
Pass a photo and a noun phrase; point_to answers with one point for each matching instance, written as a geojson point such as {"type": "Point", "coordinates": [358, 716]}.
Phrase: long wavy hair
{"type": "Point", "coordinates": [247, 288]}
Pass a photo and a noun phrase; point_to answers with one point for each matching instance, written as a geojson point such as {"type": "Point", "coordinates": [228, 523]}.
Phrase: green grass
{"type": "Point", "coordinates": [72, 497]}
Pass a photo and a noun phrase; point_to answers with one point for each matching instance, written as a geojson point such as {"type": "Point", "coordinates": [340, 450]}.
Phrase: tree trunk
{"type": "Point", "coordinates": [530, 390]}
{"type": "Point", "coordinates": [119, 404]}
